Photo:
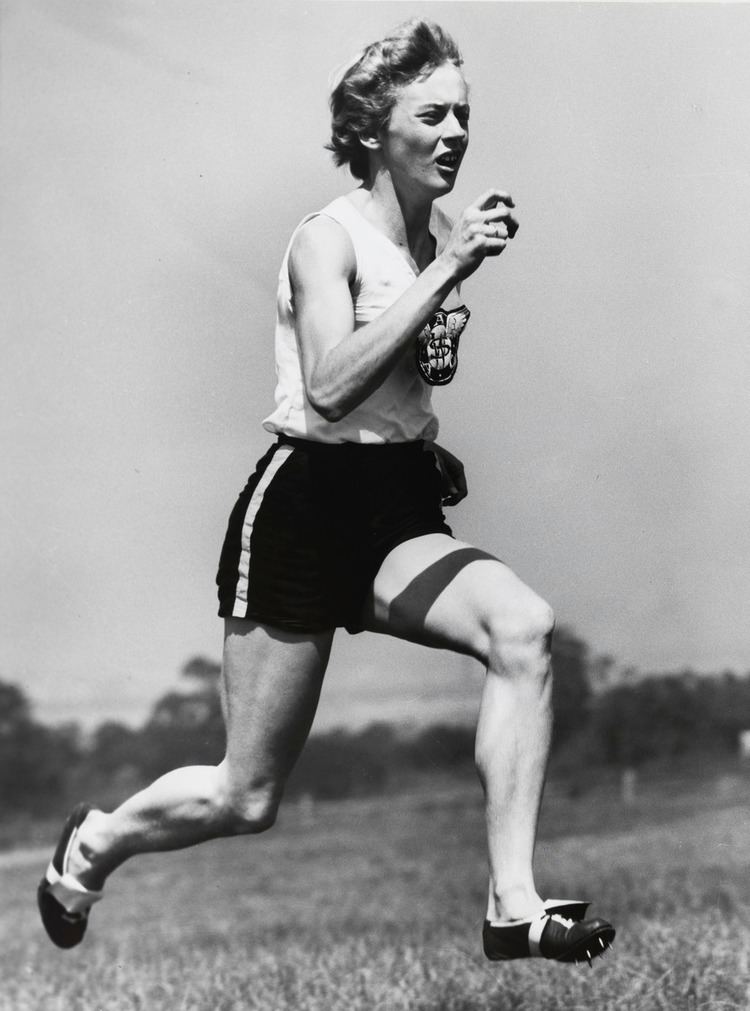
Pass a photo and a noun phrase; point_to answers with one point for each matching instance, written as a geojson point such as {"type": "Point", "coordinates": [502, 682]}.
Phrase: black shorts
{"type": "Point", "coordinates": [313, 525]}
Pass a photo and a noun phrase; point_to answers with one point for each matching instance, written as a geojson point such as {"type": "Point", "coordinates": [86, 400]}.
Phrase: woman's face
{"type": "Point", "coordinates": [428, 132]}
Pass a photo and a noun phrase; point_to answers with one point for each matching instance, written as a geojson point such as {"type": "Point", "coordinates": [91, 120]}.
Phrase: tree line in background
{"type": "Point", "coordinates": [599, 720]}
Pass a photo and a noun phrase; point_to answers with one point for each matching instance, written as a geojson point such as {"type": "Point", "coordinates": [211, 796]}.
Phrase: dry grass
{"type": "Point", "coordinates": [378, 905]}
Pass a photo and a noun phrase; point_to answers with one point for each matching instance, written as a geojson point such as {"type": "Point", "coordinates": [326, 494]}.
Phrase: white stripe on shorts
{"type": "Point", "coordinates": [279, 458]}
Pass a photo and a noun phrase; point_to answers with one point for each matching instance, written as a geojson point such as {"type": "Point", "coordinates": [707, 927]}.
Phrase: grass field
{"type": "Point", "coordinates": [378, 905]}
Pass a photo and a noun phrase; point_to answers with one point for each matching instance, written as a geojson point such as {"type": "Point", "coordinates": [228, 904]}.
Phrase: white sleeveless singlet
{"type": "Point", "coordinates": [400, 409]}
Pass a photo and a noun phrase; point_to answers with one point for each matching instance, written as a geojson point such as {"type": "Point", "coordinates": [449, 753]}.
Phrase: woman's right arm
{"type": "Point", "coordinates": [341, 367]}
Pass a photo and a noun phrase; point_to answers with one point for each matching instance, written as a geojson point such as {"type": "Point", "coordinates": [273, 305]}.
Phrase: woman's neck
{"type": "Point", "coordinates": [404, 219]}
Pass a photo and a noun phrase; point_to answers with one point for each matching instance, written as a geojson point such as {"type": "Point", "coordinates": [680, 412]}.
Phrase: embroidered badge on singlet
{"type": "Point", "coordinates": [437, 345]}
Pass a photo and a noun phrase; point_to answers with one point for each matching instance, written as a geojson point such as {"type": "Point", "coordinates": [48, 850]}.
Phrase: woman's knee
{"type": "Point", "coordinates": [251, 808]}
{"type": "Point", "coordinates": [522, 635]}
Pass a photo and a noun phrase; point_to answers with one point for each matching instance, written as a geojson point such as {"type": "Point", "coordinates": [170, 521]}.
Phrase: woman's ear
{"type": "Point", "coordinates": [371, 143]}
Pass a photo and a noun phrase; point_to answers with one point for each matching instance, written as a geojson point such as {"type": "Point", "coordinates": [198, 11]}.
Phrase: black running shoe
{"type": "Point", "coordinates": [63, 901]}
{"type": "Point", "coordinates": [547, 935]}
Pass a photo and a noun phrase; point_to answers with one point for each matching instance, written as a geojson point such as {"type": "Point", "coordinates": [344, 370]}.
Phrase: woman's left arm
{"type": "Point", "coordinates": [452, 474]}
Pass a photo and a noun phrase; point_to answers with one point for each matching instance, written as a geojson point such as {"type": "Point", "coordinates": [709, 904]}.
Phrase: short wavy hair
{"type": "Point", "coordinates": [362, 100]}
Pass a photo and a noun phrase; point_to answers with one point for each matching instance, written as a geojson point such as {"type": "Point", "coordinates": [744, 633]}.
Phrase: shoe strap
{"type": "Point", "coordinates": [69, 892]}
{"type": "Point", "coordinates": [536, 929]}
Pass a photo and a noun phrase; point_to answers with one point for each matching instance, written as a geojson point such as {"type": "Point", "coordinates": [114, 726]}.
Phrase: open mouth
{"type": "Point", "coordinates": [449, 160]}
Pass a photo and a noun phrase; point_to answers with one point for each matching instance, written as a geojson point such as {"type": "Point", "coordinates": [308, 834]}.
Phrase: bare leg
{"type": "Point", "coordinates": [437, 591]}
{"type": "Point", "coordinates": [271, 685]}
{"type": "Point", "coordinates": [512, 744]}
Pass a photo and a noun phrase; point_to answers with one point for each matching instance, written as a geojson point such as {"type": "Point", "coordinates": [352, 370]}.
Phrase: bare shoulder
{"type": "Point", "coordinates": [321, 245]}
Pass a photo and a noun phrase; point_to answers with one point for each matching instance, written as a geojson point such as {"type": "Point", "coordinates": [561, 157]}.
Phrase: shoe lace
{"type": "Point", "coordinates": [562, 920]}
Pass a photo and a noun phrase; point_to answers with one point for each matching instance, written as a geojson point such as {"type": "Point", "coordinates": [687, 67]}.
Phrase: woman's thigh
{"type": "Point", "coordinates": [270, 690]}
{"type": "Point", "coordinates": [442, 592]}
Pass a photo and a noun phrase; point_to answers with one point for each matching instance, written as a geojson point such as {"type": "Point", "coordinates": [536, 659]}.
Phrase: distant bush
{"type": "Point", "coordinates": [442, 746]}
{"type": "Point", "coordinates": [343, 764]}
{"type": "Point", "coordinates": [35, 760]}
{"type": "Point", "coordinates": [671, 715]}
{"type": "Point", "coordinates": [623, 724]}
{"type": "Point", "coordinates": [571, 686]}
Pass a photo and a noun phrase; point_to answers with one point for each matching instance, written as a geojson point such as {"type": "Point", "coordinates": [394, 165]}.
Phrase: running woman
{"type": "Point", "coordinates": [341, 525]}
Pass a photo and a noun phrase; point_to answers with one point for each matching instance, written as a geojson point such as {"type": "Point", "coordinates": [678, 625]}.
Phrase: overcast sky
{"type": "Point", "coordinates": [156, 157]}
